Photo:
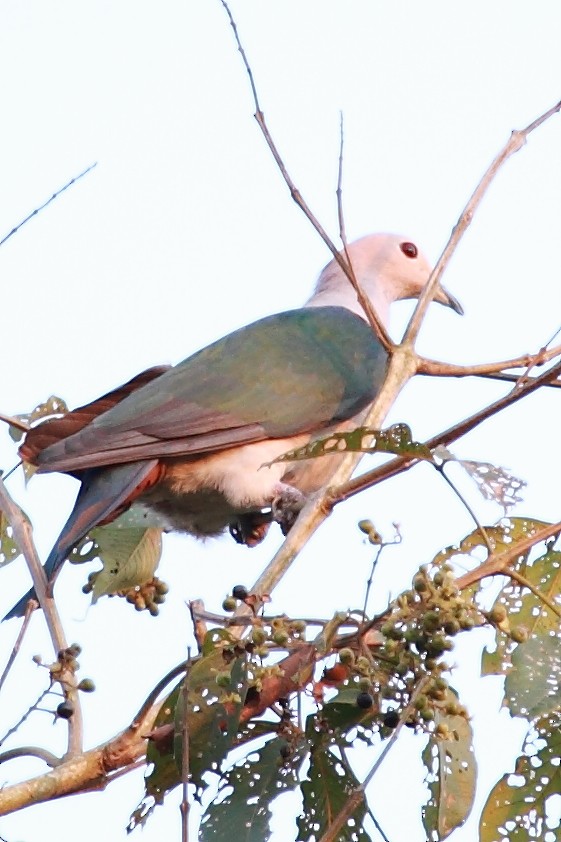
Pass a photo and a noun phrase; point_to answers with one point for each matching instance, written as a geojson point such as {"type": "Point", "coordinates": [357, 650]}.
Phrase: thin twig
{"type": "Point", "coordinates": [150, 700]}
{"type": "Point", "coordinates": [401, 464]}
{"type": "Point", "coordinates": [516, 141]}
{"type": "Point", "coordinates": [441, 369]}
{"type": "Point", "coordinates": [297, 197]}
{"type": "Point", "coordinates": [184, 806]}
{"type": "Point", "coordinates": [23, 718]}
{"type": "Point", "coordinates": [23, 536]}
{"type": "Point", "coordinates": [375, 323]}
{"type": "Point", "coordinates": [17, 644]}
{"type": "Point", "coordinates": [480, 528]}
{"type": "Point", "coordinates": [48, 202]}
{"type": "Point", "coordinates": [499, 563]}
{"type": "Point", "coordinates": [31, 751]}
{"type": "Point", "coordinates": [358, 794]}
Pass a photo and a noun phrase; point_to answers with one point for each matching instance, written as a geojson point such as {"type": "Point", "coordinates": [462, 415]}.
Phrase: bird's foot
{"type": "Point", "coordinates": [250, 528]}
{"type": "Point", "coordinates": [286, 507]}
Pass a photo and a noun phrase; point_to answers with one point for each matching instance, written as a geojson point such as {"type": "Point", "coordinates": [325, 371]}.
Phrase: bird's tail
{"type": "Point", "coordinates": [104, 494]}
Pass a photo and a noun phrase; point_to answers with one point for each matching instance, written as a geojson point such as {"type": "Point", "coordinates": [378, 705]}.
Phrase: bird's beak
{"type": "Point", "coordinates": [448, 300]}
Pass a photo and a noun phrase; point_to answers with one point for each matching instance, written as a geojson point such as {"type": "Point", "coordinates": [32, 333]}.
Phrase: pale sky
{"type": "Point", "coordinates": [185, 231]}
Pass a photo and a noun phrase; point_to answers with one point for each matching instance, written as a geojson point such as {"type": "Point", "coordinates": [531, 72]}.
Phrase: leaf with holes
{"type": "Point", "coordinates": [242, 807]}
{"type": "Point", "coordinates": [451, 775]}
{"type": "Point", "coordinates": [213, 712]}
{"type": "Point", "coordinates": [325, 791]}
{"type": "Point", "coordinates": [533, 685]}
{"type": "Point", "coordinates": [532, 667]}
{"type": "Point", "coordinates": [129, 556]}
{"type": "Point", "coordinates": [9, 550]}
{"type": "Point", "coordinates": [517, 806]}
{"type": "Point", "coordinates": [397, 440]}
{"type": "Point", "coordinates": [212, 726]}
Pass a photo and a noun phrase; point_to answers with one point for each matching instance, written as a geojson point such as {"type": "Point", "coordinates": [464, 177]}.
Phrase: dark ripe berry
{"type": "Point", "coordinates": [391, 719]}
{"type": "Point", "coordinates": [239, 592]}
{"type": "Point", "coordinates": [285, 751]}
{"type": "Point", "coordinates": [65, 710]}
{"type": "Point", "coordinates": [364, 700]}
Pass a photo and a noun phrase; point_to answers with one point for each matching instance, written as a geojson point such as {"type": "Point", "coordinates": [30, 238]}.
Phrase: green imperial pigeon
{"type": "Point", "coordinates": [194, 443]}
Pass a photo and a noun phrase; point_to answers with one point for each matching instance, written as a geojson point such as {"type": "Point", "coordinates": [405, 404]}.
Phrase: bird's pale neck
{"type": "Point", "coordinates": [334, 290]}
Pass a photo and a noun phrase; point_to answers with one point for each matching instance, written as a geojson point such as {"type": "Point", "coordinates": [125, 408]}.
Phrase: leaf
{"type": "Point", "coordinates": [242, 808]}
{"type": "Point", "coordinates": [341, 714]}
{"type": "Point", "coordinates": [212, 728]}
{"type": "Point", "coordinates": [533, 666]}
{"type": "Point", "coordinates": [494, 482]}
{"type": "Point", "coordinates": [532, 687]}
{"type": "Point", "coordinates": [451, 775]}
{"type": "Point", "coordinates": [129, 556]}
{"type": "Point", "coordinates": [9, 550]}
{"type": "Point", "coordinates": [397, 439]}
{"type": "Point", "coordinates": [326, 791]}
{"type": "Point", "coordinates": [501, 537]}
{"type": "Point", "coordinates": [212, 720]}
{"type": "Point", "coordinates": [516, 807]}
{"type": "Point", "coordinates": [52, 406]}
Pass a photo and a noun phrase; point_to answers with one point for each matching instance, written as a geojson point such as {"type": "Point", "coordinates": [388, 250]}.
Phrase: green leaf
{"type": "Point", "coordinates": [213, 713]}
{"type": "Point", "coordinates": [516, 807]}
{"type": "Point", "coordinates": [251, 786]}
{"type": "Point", "coordinates": [212, 728]}
{"type": "Point", "coordinates": [9, 550]}
{"type": "Point", "coordinates": [326, 791]}
{"type": "Point", "coordinates": [532, 687]}
{"type": "Point", "coordinates": [397, 439]}
{"type": "Point", "coordinates": [501, 537]}
{"type": "Point", "coordinates": [451, 775]}
{"type": "Point", "coordinates": [341, 714]}
{"type": "Point", "coordinates": [129, 556]}
{"type": "Point", "coordinates": [532, 667]}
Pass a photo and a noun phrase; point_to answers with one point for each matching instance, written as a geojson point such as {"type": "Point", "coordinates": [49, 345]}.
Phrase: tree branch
{"type": "Point", "coordinates": [516, 141]}
{"type": "Point", "coordinates": [23, 537]}
{"type": "Point", "coordinates": [400, 463]}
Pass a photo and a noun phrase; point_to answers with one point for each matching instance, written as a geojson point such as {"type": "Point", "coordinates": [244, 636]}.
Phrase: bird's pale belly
{"type": "Point", "coordinates": [204, 496]}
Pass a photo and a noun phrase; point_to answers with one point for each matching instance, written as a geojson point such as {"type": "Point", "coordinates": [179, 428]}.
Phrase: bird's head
{"type": "Point", "coordinates": [389, 267]}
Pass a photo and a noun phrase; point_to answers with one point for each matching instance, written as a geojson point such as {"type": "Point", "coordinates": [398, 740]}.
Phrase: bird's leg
{"type": "Point", "coordinates": [250, 528]}
{"type": "Point", "coordinates": [286, 506]}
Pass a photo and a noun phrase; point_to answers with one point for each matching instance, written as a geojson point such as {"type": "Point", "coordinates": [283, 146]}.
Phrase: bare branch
{"type": "Point", "coordinates": [516, 141]}
{"type": "Point", "coordinates": [91, 770]}
{"type": "Point", "coordinates": [375, 323]}
{"type": "Point", "coordinates": [440, 369]}
{"type": "Point", "coordinates": [343, 261]}
{"type": "Point", "coordinates": [400, 464]}
{"type": "Point", "coordinates": [48, 202]}
{"type": "Point", "coordinates": [17, 644]}
{"type": "Point", "coordinates": [23, 537]}
{"type": "Point", "coordinates": [499, 563]}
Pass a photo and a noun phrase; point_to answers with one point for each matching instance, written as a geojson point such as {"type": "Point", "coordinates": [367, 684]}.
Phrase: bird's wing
{"type": "Point", "coordinates": [290, 373]}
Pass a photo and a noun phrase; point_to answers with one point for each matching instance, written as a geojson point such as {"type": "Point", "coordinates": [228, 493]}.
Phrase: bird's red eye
{"type": "Point", "coordinates": [409, 249]}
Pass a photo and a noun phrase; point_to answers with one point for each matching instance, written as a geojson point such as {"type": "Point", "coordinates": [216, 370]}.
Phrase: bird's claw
{"type": "Point", "coordinates": [286, 507]}
{"type": "Point", "coordinates": [250, 528]}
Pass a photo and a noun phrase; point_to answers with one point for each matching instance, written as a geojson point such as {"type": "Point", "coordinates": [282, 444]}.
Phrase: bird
{"type": "Point", "coordinates": [196, 443]}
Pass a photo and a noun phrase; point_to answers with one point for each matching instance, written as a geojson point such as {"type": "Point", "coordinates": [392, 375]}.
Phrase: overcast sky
{"type": "Point", "coordinates": [185, 231]}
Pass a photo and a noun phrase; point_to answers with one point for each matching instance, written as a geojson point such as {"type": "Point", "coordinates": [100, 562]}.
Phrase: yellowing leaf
{"type": "Point", "coordinates": [129, 557]}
